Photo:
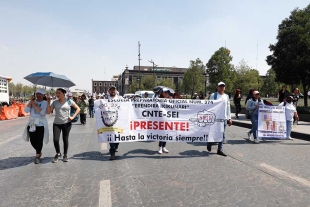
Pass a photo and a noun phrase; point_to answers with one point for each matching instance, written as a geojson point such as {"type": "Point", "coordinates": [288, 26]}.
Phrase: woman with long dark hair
{"type": "Point", "coordinates": [165, 93]}
{"type": "Point", "coordinates": [237, 99]}
{"type": "Point", "coordinates": [62, 121]}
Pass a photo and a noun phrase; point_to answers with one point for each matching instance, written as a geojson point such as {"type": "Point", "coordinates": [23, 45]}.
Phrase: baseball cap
{"type": "Point", "coordinates": [112, 87]}
{"type": "Point", "coordinates": [221, 84]}
{"type": "Point", "coordinates": [69, 94]}
{"type": "Point", "coordinates": [41, 91]}
{"type": "Point", "coordinates": [255, 92]}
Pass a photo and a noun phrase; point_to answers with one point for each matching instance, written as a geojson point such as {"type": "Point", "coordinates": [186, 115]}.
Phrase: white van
{"type": "Point", "coordinates": [141, 93]}
{"type": "Point", "coordinates": [128, 95]}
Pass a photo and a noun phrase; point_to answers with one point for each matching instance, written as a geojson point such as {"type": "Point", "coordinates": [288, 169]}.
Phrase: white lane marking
{"type": "Point", "coordinates": [286, 174]}
{"type": "Point", "coordinates": [105, 194]}
{"type": "Point", "coordinates": [10, 139]}
{"type": "Point", "coordinates": [103, 146]}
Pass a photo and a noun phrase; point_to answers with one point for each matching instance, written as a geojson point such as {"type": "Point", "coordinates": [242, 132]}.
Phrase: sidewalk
{"type": "Point", "coordinates": [300, 131]}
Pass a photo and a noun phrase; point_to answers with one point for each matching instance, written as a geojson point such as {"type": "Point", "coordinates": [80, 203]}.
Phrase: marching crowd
{"type": "Point", "coordinates": [69, 109]}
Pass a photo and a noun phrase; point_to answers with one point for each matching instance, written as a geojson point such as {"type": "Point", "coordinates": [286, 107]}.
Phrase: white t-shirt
{"type": "Point", "coordinates": [289, 111]}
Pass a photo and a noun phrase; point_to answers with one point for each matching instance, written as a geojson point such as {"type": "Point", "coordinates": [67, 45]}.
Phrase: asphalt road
{"type": "Point", "coordinates": [273, 173]}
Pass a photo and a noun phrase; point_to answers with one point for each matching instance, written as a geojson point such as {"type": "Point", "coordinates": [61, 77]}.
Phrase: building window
{"type": "Point", "coordinates": [95, 84]}
{"type": "Point", "coordinates": [115, 84]}
{"type": "Point", "coordinates": [105, 84]}
{"type": "Point", "coordinates": [100, 84]}
{"type": "Point", "coordinates": [94, 89]}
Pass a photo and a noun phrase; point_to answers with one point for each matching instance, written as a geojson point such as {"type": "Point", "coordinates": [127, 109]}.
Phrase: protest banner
{"type": "Point", "coordinates": [271, 122]}
{"type": "Point", "coordinates": [170, 120]}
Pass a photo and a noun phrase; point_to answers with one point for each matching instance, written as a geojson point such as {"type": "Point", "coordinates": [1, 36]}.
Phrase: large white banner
{"type": "Point", "coordinates": [170, 120]}
{"type": "Point", "coordinates": [271, 122]}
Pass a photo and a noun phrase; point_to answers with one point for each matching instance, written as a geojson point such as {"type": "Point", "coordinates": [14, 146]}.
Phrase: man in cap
{"type": "Point", "coordinates": [113, 146]}
{"type": "Point", "coordinates": [70, 95]}
{"type": "Point", "coordinates": [220, 94]}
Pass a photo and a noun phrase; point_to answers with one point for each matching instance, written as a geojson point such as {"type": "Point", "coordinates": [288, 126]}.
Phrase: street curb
{"type": "Point", "coordinates": [295, 135]}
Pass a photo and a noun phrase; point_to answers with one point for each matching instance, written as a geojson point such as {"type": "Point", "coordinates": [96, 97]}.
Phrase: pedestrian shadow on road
{"type": "Point", "coordinates": [13, 162]}
{"type": "Point", "coordinates": [246, 141]}
{"type": "Point", "coordinates": [292, 143]}
{"type": "Point", "coordinates": [194, 153]}
{"type": "Point", "coordinates": [93, 155]}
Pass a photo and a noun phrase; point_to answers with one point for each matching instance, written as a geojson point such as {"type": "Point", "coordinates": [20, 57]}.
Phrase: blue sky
{"type": "Point", "coordinates": [97, 39]}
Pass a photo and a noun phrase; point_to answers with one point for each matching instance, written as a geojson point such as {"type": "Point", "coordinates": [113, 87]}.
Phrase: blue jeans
{"type": "Point", "coordinates": [288, 128]}
{"type": "Point", "coordinates": [91, 111]}
{"type": "Point", "coordinates": [254, 120]}
{"type": "Point", "coordinates": [220, 145]}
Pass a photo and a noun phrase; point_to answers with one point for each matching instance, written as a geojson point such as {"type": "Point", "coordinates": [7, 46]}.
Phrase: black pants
{"type": "Point", "coordinates": [65, 129]}
{"type": "Point", "coordinates": [238, 108]}
{"type": "Point", "coordinates": [36, 138]}
{"type": "Point", "coordinates": [83, 118]}
{"type": "Point", "coordinates": [113, 147]}
{"type": "Point", "coordinates": [162, 144]}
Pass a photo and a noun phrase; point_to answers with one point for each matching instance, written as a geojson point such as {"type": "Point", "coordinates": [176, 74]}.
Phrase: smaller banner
{"type": "Point", "coordinates": [271, 122]}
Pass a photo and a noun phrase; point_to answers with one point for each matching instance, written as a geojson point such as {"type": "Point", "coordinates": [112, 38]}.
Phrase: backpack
{"type": "Point", "coordinates": [72, 112]}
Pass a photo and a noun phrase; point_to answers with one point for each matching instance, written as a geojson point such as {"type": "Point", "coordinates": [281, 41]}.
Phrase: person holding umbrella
{"type": "Point", "coordinates": [62, 121]}
{"type": "Point", "coordinates": [37, 127]}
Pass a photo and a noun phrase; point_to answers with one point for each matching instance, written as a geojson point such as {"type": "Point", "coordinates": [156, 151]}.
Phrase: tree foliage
{"type": "Point", "coordinates": [219, 68]}
{"type": "Point", "coordinates": [270, 86]}
{"type": "Point", "coordinates": [193, 77]}
{"type": "Point", "coordinates": [247, 78]}
{"type": "Point", "coordinates": [290, 57]}
{"type": "Point", "coordinates": [168, 82]}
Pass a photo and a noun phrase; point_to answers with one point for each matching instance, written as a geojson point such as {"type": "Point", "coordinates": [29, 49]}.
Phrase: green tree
{"type": "Point", "coordinates": [147, 82]}
{"type": "Point", "coordinates": [247, 78]}
{"type": "Point", "coordinates": [270, 86]}
{"type": "Point", "coordinates": [134, 86]}
{"type": "Point", "coordinates": [219, 68]}
{"type": "Point", "coordinates": [27, 90]}
{"type": "Point", "coordinates": [290, 57]}
{"type": "Point", "coordinates": [18, 89]}
{"type": "Point", "coordinates": [193, 78]}
{"type": "Point", "coordinates": [168, 82]}
{"type": "Point", "coordinates": [12, 89]}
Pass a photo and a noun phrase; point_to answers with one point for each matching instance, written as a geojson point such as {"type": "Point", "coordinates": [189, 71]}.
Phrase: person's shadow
{"type": "Point", "coordinates": [13, 162]}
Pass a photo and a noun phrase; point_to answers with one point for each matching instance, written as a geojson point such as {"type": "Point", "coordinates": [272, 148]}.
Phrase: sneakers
{"type": "Point", "coordinates": [249, 134]}
{"type": "Point", "coordinates": [56, 158]}
{"type": "Point", "coordinates": [165, 150]}
{"type": "Point", "coordinates": [256, 141]}
{"type": "Point", "coordinates": [290, 138]}
{"type": "Point", "coordinates": [160, 151]}
{"type": "Point", "coordinates": [116, 149]}
{"type": "Point", "coordinates": [65, 158]}
{"type": "Point", "coordinates": [219, 152]}
{"type": "Point", "coordinates": [37, 160]}
{"type": "Point", "coordinates": [209, 147]}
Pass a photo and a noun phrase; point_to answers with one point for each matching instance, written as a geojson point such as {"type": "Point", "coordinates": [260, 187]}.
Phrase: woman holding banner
{"type": "Point", "coordinates": [165, 93]}
{"type": "Point", "coordinates": [253, 105]}
{"type": "Point", "coordinates": [290, 113]}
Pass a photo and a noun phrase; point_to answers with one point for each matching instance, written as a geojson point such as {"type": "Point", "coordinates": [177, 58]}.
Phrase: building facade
{"type": "Point", "coordinates": [4, 88]}
{"type": "Point", "coordinates": [99, 86]}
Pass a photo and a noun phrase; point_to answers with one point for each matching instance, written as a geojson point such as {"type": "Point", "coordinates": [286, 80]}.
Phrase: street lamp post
{"type": "Point", "coordinates": [154, 65]}
{"type": "Point", "coordinates": [139, 65]}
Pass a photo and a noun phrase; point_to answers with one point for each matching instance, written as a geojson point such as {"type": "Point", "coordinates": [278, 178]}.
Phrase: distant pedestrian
{"type": "Point", "coordinates": [249, 96]}
{"type": "Point", "coordinates": [237, 100]}
{"type": "Point", "coordinates": [201, 96]}
{"type": "Point", "coordinates": [62, 121]}
{"type": "Point", "coordinates": [283, 93]}
{"type": "Point", "coordinates": [146, 95]}
{"type": "Point", "coordinates": [290, 112]}
{"type": "Point", "coordinates": [37, 126]}
{"type": "Point", "coordinates": [162, 145]}
{"type": "Point", "coordinates": [253, 105]}
{"type": "Point", "coordinates": [91, 104]}
{"type": "Point", "coordinates": [195, 96]}
{"type": "Point", "coordinates": [221, 95]}
{"type": "Point", "coordinates": [296, 94]}
{"type": "Point", "coordinates": [83, 104]}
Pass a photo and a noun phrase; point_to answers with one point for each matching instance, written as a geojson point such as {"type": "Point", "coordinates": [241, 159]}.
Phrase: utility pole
{"type": "Point", "coordinates": [154, 65]}
{"type": "Point", "coordinates": [139, 55]}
